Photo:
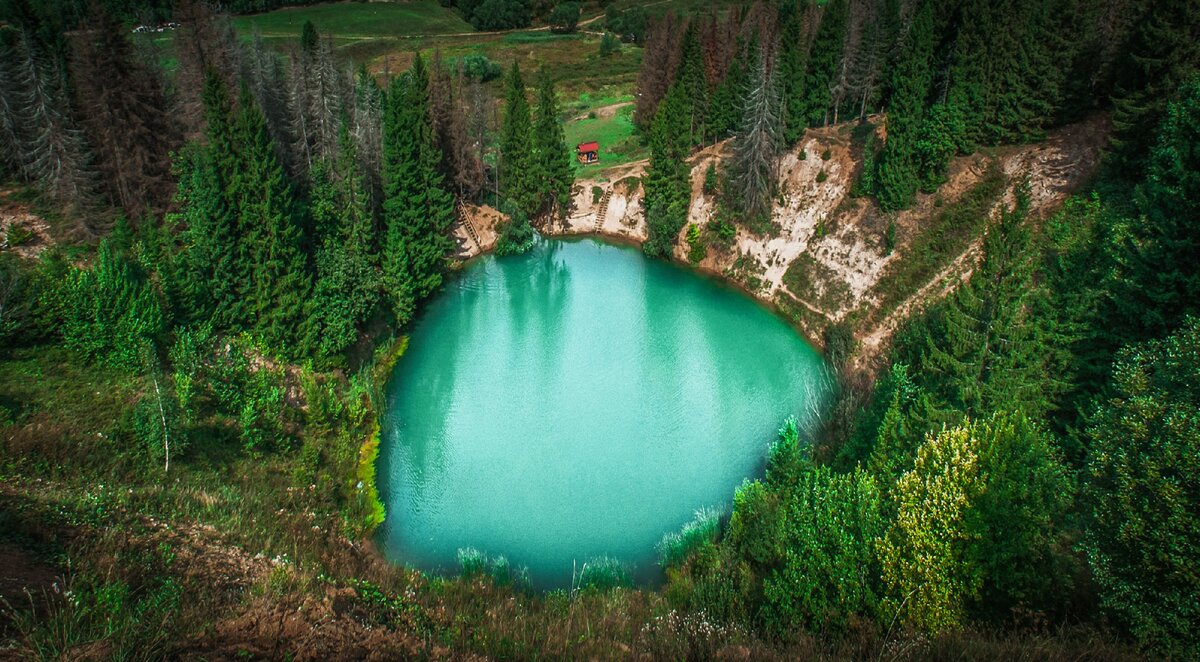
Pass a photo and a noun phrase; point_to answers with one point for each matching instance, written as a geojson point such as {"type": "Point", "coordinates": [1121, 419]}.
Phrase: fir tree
{"type": "Point", "coordinates": [417, 211]}
{"type": "Point", "coordinates": [345, 292]}
{"type": "Point", "coordinates": [554, 169]}
{"type": "Point", "coordinates": [518, 181]}
{"type": "Point", "coordinates": [667, 183]}
{"type": "Point", "coordinates": [278, 285]}
{"type": "Point", "coordinates": [822, 64]}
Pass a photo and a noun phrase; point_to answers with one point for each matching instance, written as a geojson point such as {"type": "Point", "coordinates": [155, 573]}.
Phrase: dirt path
{"type": "Point", "coordinates": [603, 112]}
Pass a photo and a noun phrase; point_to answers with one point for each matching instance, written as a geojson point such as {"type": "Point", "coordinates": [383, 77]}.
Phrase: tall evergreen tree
{"type": "Point", "coordinates": [518, 181]}
{"type": "Point", "coordinates": [667, 182]}
{"type": "Point", "coordinates": [1164, 53]}
{"type": "Point", "coordinates": [345, 292]}
{"type": "Point", "coordinates": [910, 85]}
{"type": "Point", "coordinates": [554, 171]}
{"type": "Point", "coordinates": [752, 171]}
{"type": "Point", "coordinates": [997, 355]}
{"type": "Point", "coordinates": [417, 211]}
{"type": "Point", "coordinates": [823, 62]}
{"type": "Point", "coordinates": [125, 116]}
{"type": "Point", "coordinates": [278, 284]}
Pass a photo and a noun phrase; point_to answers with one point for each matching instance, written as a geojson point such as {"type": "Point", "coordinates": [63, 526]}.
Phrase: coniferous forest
{"type": "Point", "coordinates": [246, 228]}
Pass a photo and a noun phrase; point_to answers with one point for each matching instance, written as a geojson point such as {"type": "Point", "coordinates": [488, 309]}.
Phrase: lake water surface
{"type": "Point", "coordinates": [580, 401]}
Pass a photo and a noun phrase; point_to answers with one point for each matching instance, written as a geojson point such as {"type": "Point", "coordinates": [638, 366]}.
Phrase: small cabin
{"type": "Point", "coordinates": [588, 152]}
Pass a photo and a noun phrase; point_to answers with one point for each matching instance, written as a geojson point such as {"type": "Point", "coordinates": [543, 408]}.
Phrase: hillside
{"type": "Point", "coordinates": [826, 260]}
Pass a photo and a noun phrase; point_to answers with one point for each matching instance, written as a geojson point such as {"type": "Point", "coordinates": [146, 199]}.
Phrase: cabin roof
{"type": "Point", "coordinates": [588, 147]}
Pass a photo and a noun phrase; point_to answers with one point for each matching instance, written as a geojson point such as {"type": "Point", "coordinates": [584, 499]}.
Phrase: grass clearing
{"type": "Point", "coordinates": [357, 21]}
{"type": "Point", "coordinates": [619, 142]}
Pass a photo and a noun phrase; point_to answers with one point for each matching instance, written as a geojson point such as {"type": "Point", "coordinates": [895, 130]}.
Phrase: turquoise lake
{"type": "Point", "coordinates": [580, 401]}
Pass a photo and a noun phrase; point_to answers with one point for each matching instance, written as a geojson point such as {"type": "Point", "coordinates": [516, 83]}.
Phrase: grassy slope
{"type": "Point", "coordinates": [355, 20]}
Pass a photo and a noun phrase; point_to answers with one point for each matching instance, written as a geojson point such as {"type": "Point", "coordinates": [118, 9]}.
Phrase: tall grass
{"type": "Point", "coordinates": [676, 546]}
{"type": "Point", "coordinates": [599, 575]}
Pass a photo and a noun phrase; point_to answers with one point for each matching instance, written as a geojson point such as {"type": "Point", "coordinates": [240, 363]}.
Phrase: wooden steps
{"type": "Point", "coordinates": [602, 211]}
{"type": "Point", "coordinates": [466, 222]}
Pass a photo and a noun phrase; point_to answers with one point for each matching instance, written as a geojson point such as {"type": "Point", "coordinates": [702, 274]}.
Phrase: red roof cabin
{"type": "Point", "coordinates": [588, 152]}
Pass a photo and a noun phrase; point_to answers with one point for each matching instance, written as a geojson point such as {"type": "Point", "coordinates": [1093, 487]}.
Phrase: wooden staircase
{"type": "Point", "coordinates": [466, 222]}
{"type": "Point", "coordinates": [602, 211]}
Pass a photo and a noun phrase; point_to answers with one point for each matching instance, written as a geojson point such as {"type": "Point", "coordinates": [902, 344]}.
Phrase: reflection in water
{"type": "Point", "coordinates": [580, 401]}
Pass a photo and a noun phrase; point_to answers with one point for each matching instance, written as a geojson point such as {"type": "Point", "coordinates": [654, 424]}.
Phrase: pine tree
{"type": "Point", "coordinates": [752, 170]}
{"type": "Point", "coordinates": [417, 211]}
{"type": "Point", "coordinates": [911, 80]}
{"type": "Point", "coordinates": [278, 284]}
{"type": "Point", "coordinates": [125, 117]}
{"type": "Point", "coordinates": [823, 63]}
{"type": "Point", "coordinates": [554, 170]}
{"type": "Point", "coordinates": [517, 178]}
{"type": "Point", "coordinates": [345, 292]}
{"type": "Point", "coordinates": [996, 355]}
{"type": "Point", "coordinates": [667, 182]}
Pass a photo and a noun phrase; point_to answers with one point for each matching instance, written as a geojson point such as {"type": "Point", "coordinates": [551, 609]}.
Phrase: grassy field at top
{"type": "Point", "coordinates": [613, 130]}
{"type": "Point", "coordinates": [358, 20]}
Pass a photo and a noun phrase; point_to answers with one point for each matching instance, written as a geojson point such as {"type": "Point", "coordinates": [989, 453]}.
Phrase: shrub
{"type": "Point", "coordinates": [602, 574]}
{"type": "Point", "coordinates": [565, 17]}
{"type": "Point", "coordinates": [18, 235]}
{"type": "Point", "coordinates": [822, 176]}
{"type": "Point", "coordinates": [609, 44]}
{"type": "Point", "coordinates": [826, 155]}
{"type": "Point", "coordinates": [597, 193]}
{"type": "Point", "coordinates": [711, 182]}
{"type": "Point", "coordinates": [516, 234]}
{"type": "Point", "coordinates": [698, 247]}
{"type": "Point", "coordinates": [676, 546]}
{"type": "Point", "coordinates": [478, 67]}
{"type": "Point", "coordinates": [501, 15]}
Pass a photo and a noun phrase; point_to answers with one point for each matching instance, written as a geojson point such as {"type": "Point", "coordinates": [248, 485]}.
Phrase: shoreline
{"type": "Point", "coordinates": [629, 241]}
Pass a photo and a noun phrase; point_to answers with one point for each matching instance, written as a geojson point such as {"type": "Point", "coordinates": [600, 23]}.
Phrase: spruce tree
{"type": "Point", "coordinates": [793, 65]}
{"type": "Point", "coordinates": [518, 181]}
{"type": "Point", "coordinates": [212, 281]}
{"type": "Point", "coordinates": [1164, 53]}
{"type": "Point", "coordinates": [417, 211]}
{"type": "Point", "coordinates": [898, 177]}
{"type": "Point", "coordinates": [1158, 280]}
{"type": "Point", "coordinates": [278, 284]}
{"type": "Point", "coordinates": [695, 87]}
{"type": "Point", "coordinates": [996, 355]}
{"type": "Point", "coordinates": [345, 292]}
{"type": "Point", "coordinates": [555, 170]}
{"type": "Point", "coordinates": [125, 117]}
{"type": "Point", "coordinates": [823, 62]}
{"type": "Point", "coordinates": [752, 169]}
{"type": "Point", "coordinates": [667, 182]}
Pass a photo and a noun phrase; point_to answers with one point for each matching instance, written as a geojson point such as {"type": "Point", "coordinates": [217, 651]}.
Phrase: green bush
{"type": "Point", "coordinates": [676, 546]}
{"type": "Point", "coordinates": [602, 574]}
{"type": "Point", "coordinates": [478, 67]}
